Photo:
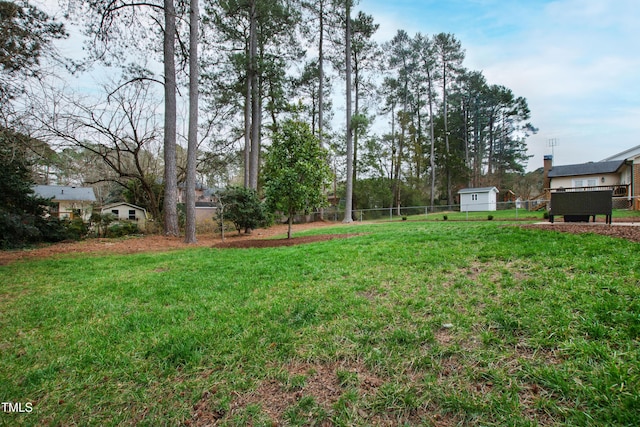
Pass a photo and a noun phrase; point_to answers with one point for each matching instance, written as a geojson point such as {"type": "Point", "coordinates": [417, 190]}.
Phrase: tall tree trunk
{"type": "Point", "coordinates": [170, 204]}
{"type": "Point", "coordinates": [432, 136]}
{"type": "Point", "coordinates": [192, 148]}
{"type": "Point", "coordinates": [401, 141]}
{"type": "Point", "coordinates": [477, 162]}
{"type": "Point", "coordinates": [356, 131]}
{"type": "Point", "coordinates": [349, 196]}
{"type": "Point", "coordinates": [394, 160]}
{"type": "Point", "coordinates": [321, 86]}
{"type": "Point", "coordinates": [491, 144]}
{"type": "Point", "coordinates": [446, 132]}
{"type": "Point", "coordinates": [255, 100]}
{"type": "Point", "coordinates": [247, 128]}
{"type": "Point", "coordinates": [321, 76]}
{"type": "Point", "coordinates": [396, 195]}
{"type": "Point", "coordinates": [467, 160]}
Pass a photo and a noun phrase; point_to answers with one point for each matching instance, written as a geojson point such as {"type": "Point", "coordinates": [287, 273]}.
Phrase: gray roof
{"type": "Point", "coordinates": [591, 168]}
{"type": "Point", "coordinates": [478, 190]}
{"type": "Point", "coordinates": [59, 193]}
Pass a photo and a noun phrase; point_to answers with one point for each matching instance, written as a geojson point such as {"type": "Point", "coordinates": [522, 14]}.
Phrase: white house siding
{"type": "Point", "coordinates": [592, 180]}
{"type": "Point", "coordinates": [128, 212]}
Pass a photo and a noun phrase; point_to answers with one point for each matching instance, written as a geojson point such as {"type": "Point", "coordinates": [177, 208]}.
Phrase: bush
{"type": "Point", "coordinates": [445, 217]}
{"type": "Point", "coordinates": [101, 222]}
{"type": "Point", "coordinates": [490, 217]}
{"type": "Point", "coordinates": [243, 208]}
{"type": "Point", "coordinates": [122, 228]}
{"type": "Point", "coordinates": [22, 230]}
{"type": "Point", "coordinates": [76, 229]}
{"type": "Point", "coordinates": [53, 229]}
{"type": "Point", "coordinates": [15, 232]}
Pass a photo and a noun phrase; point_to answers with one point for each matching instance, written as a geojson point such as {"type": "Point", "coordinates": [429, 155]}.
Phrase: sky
{"type": "Point", "coordinates": [577, 62]}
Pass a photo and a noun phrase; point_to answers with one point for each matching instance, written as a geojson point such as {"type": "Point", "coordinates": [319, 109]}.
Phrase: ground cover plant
{"type": "Point", "coordinates": [416, 323]}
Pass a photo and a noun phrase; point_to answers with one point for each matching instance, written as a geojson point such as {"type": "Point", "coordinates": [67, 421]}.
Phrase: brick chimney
{"type": "Point", "coordinates": [548, 164]}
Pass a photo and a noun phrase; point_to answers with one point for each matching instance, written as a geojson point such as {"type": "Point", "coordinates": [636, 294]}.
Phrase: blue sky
{"type": "Point", "coordinates": [577, 62]}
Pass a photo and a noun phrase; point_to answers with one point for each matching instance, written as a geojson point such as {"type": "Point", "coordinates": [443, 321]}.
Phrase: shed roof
{"type": "Point", "coordinates": [591, 168]}
{"type": "Point", "coordinates": [113, 205]}
{"type": "Point", "coordinates": [478, 190]}
{"type": "Point", "coordinates": [59, 193]}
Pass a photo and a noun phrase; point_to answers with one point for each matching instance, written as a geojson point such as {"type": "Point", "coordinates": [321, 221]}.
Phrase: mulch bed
{"type": "Point", "coordinates": [628, 232]}
{"type": "Point", "coordinates": [273, 243]}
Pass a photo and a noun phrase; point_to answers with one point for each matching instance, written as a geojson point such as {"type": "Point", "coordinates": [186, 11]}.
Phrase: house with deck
{"type": "Point", "coordinates": [615, 174]}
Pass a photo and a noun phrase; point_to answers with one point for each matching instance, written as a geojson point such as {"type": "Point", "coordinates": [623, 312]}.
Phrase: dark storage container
{"type": "Point", "coordinates": [580, 205]}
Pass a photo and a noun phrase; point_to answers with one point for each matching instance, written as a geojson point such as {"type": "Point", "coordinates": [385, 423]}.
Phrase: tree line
{"type": "Point", "coordinates": [417, 124]}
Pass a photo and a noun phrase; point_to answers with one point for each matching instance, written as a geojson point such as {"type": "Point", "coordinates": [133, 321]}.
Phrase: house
{"type": "Point", "coordinates": [68, 202]}
{"type": "Point", "coordinates": [615, 175]}
{"type": "Point", "coordinates": [203, 194]}
{"type": "Point", "coordinates": [127, 212]}
{"type": "Point", "coordinates": [632, 156]}
{"type": "Point", "coordinates": [478, 199]}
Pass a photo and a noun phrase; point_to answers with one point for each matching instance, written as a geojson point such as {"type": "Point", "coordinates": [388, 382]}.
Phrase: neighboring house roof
{"type": "Point", "coordinates": [62, 193]}
{"type": "Point", "coordinates": [113, 205]}
{"type": "Point", "coordinates": [208, 192]}
{"type": "Point", "coordinates": [591, 168]}
{"type": "Point", "coordinates": [625, 155]}
{"type": "Point", "coordinates": [478, 190]}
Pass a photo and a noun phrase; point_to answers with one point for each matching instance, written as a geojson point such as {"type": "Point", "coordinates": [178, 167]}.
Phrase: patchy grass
{"type": "Point", "coordinates": [499, 215]}
{"type": "Point", "coordinates": [432, 323]}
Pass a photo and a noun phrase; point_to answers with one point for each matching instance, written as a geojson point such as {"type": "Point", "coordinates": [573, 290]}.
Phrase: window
{"type": "Point", "coordinates": [132, 214]}
{"type": "Point", "coordinates": [587, 182]}
{"type": "Point", "coordinates": [115, 212]}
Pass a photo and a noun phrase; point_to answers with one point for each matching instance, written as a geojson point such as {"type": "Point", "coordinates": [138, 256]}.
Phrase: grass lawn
{"type": "Point", "coordinates": [499, 215]}
{"type": "Point", "coordinates": [417, 323]}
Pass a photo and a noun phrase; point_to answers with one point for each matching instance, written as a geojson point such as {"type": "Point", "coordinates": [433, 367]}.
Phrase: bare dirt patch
{"type": "Point", "coordinates": [260, 238]}
{"type": "Point", "coordinates": [275, 396]}
{"type": "Point", "coordinates": [272, 243]}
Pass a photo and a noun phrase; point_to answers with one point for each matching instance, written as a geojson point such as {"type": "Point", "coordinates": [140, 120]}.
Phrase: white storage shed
{"type": "Point", "coordinates": [478, 199]}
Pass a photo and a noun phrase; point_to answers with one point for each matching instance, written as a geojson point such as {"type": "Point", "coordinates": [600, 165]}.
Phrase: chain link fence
{"type": "Point", "coordinates": [518, 210]}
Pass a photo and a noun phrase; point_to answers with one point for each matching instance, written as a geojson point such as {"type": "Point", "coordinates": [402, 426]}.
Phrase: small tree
{"type": "Point", "coordinates": [22, 213]}
{"type": "Point", "coordinates": [243, 207]}
{"type": "Point", "coordinates": [295, 171]}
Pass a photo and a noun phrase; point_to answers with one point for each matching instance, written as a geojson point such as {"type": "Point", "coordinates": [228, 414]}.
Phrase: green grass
{"type": "Point", "coordinates": [499, 215]}
{"type": "Point", "coordinates": [413, 323]}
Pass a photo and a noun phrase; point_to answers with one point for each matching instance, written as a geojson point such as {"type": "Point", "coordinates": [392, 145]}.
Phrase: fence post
{"type": "Point", "coordinates": [391, 213]}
